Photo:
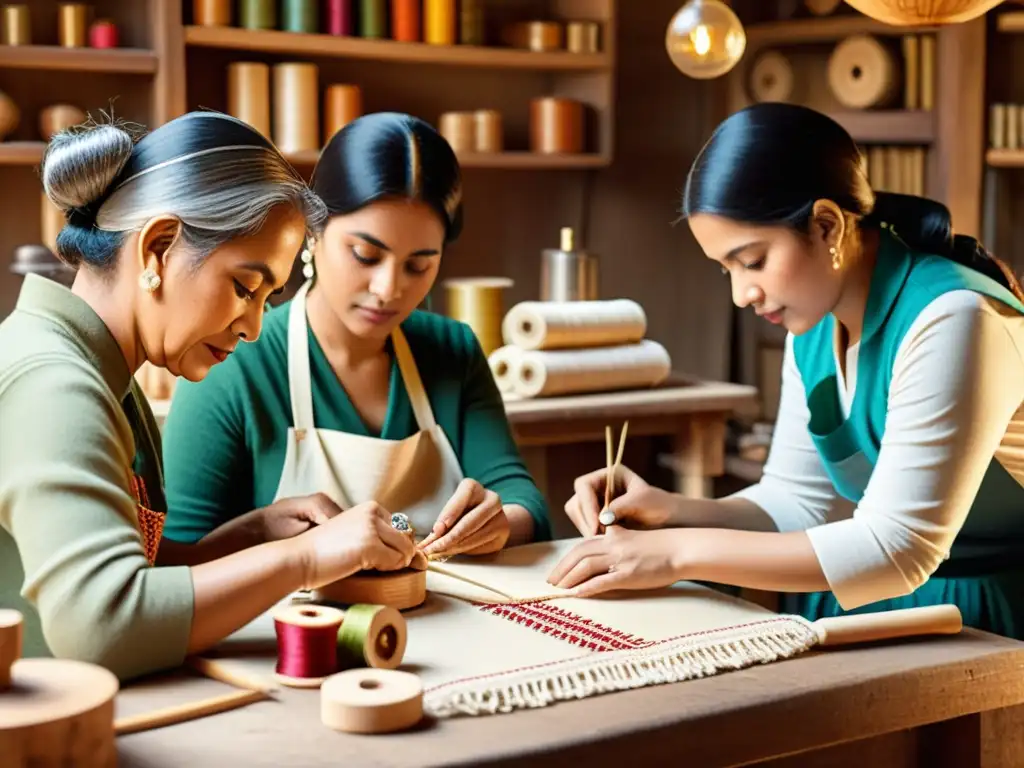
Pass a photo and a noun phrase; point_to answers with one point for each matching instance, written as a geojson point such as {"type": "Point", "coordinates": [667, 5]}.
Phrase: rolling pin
{"type": "Point", "coordinates": [889, 625]}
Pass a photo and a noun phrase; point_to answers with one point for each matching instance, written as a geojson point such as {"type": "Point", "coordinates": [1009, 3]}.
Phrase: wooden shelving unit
{"type": "Point", "coordinates": [21, 152]}
{"type": "Point", "coordinates": [824, 29]}
{"type": "Point", "coordinates": [1005, 158]}
{"type": "Point", "coordinates": [51, 57]}
{"type": "Point", "coordinates": [888, 126]}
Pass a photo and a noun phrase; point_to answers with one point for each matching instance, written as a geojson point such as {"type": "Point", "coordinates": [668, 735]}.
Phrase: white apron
{"type": "Point", "coordinates": [416, 476]}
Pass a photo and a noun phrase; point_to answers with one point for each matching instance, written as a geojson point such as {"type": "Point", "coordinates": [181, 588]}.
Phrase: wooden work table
{"type": "Point", "coordinates": [945, 702]}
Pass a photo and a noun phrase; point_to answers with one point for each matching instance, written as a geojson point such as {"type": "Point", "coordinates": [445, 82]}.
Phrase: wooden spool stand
{"type": "Point", "coordinates": [400, 590]}
{"type": "Point", "coordinates": [53, 711]}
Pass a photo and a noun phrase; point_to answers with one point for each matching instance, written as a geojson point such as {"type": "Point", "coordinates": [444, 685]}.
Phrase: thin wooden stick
{"type": "Point", "coordinates": [606, 518]}
{"type": "Point", "coordinates": [609, 477]}
{"type": "Point", "coordinates": [446, 572]}
{"type": "Point", "coordinates": [185, 712]}
{"type": "Point", "coordinates": [215, 670]}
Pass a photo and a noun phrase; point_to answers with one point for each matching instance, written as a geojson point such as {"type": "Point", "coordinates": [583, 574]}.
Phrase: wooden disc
{"type": "Point", "coordinates": [400, 590]}
{"type": "Point", "coordinates": [58, 712]}
{"type": "Point", "coordinates": [862, 72]}
{"type": "Point", "coordinates": [371, 701]}
{"type": "Point", "coordinates": [771, 78]}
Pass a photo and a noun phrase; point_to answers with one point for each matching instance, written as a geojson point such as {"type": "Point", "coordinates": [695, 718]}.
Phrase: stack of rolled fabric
{"type": "Point", "coordinates": [573, 347]}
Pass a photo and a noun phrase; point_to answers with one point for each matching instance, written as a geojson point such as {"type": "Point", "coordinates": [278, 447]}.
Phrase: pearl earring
{"type": "Point", "coordinates": [836, 258]}
{"type": "Point", "coordinates": [149, 280]}
{"type": "Point", "coordinates": [307, 264]}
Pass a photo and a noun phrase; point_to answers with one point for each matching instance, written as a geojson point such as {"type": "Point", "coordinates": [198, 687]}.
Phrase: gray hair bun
{"type": "Point", "coordinates": [81, 163]}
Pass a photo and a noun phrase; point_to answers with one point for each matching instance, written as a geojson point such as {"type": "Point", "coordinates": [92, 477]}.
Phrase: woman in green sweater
{"type": "Point", "coordinates": [352, 391]}
{"type": "Point", "coordinates": [178, 239]}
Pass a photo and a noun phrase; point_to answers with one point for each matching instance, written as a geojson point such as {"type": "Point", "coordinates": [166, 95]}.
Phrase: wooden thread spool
{"type": "Point", "coordinates": [103, 34]}
{"type": "Point", "coordinates": [211, 13]}
{"type": "Point", "coordinates": [1012, 128]}
{"type": "Point", "coordinates": [822, 7]}
{"type": "Point", "coordinates": [459, 130]}
{"type": "Point", "coordinates": [583, 37]}
{"type": "Point", "coordinates": [72, 23]}
{"type": "Point", "coordinates": [400, 590]}
{"type": "Point", "coordinates": [556, 125]}
{"type": "Point", "coordinates": [862, 73]}
{"type": "Point", "coordinates": [17, 25]}
{"type": "Point", "coordinates": [10, 115]}
{"type": "Point", "coordinates": [300, 16]}
{"type": "Point", "coordinates": [373, 19]}
{"type": "Point", "coordinates": [258, 14]}
{"type": "Point", "coordinates": [249, 94]}
{"type": "Point", "coordinates": [371, 701]}
{"type": "Point", "coordinates": [439, 22]}
{"type": "Point", "coordinates": [489, 131]}
{"type": "Point", "coordinates": [317, 641]}
{"type": "Point", "coordinates": [535, 35]}
{"type": "Point", "coordinates": [342, 104]}
{"type": "Point", "coordinates": [59, 117]}
{"type": "Point", "coordinates": [53, 711]}
{"type": "Point", "coordinates": [471, 23]}
{"type": "Point", "coordinates": [478, 302]}
{"type": "Point", "coordinates": [405, 20]}
{"type": "Point", "coordinates": [296, 112]}
{"type": "Point", "coordinates": [339, 17]}
{"type": "Point", "coordinates": [771, 77]}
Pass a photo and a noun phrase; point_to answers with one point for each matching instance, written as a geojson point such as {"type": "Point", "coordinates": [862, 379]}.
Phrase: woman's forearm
{"type": "Point", "coordinates": [232, 591]}
{"type": "Point", "coordinates": [520, 523]}
{"type": "Point", "coordinates": [774, 562]}
{"type": "Point", "coordinates": [734, 514]}
{"type": "Point", "coordinates": [233, 536]}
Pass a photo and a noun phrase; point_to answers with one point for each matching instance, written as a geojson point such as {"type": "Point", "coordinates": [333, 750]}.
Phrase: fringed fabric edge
{"type": "Point", "coordinates": [672, 660]}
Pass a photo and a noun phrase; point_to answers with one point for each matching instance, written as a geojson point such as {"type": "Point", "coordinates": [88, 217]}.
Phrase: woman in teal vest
{"type": "Point", "coordinates": [896, 472]}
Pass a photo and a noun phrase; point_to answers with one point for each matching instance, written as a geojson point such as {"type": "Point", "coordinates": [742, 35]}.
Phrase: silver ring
{"type": "Point", "coordinates": [400, 522]}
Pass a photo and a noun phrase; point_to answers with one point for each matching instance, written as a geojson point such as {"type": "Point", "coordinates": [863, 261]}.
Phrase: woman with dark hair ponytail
{"type": "Point", "coordinates": [352, 391]}
{"type": "Point", "coordinates": [896, 472]}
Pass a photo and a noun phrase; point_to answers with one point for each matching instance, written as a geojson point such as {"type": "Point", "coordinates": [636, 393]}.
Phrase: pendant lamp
{"type": "Point", "coordinates": [919, 12]}
{"type": "Point", "coordinates": [705, 39]}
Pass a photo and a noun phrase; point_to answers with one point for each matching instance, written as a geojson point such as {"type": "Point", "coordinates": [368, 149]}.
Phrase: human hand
{"type": "Point", "coordinates": [471, 523]}
{"type": "Point", "coordinates": [359, 539]}
{"type": "Point", "coordinates": [621, 559]}
{"type": "Point", "coordinates": [638, 506]}
{"type": "Point", "coordinates": [289, 517]}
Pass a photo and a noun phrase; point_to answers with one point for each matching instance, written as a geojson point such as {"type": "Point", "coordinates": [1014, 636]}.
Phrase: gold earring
{"type": "Point", "coordinates": [837, 260]}
{"type": "Point", "coordinates": [149, 280]}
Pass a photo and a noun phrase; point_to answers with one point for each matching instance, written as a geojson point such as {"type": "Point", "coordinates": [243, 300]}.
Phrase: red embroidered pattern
{"type": "Point", "coordinates": [151, 522]}
{"type": "Point", "coordinates": [566, 625]}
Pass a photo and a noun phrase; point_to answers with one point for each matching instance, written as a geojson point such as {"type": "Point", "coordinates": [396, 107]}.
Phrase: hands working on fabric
{"type": "Point", "coordinates": [473, 522]}
{"type": "Point", "coordinates": [621, 550]}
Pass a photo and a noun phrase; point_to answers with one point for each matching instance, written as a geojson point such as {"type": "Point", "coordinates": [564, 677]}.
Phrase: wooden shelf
{"type": "Point", "coordinates": [1005, 158]}
{"type": "Point", "coordinates": [53, 57]}
{"type": "Point", "coordinates": [896, 126]}
{"type": "Point", "coordinates": [505, 160]}
{"type": "Point", "coordinates": [1010, 22]}
{"type": "Point", "coordinates": [295, 43]}
{"type": "Point", "coordinates": [21, 152]}
{"type": "Point", "coordinates": [823, 30]}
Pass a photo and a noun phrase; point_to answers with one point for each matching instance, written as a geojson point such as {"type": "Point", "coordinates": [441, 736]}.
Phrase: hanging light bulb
{"type": "Point", "coordinates": [705, 39]}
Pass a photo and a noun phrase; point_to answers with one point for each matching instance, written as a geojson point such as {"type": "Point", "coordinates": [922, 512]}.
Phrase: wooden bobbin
{"type": "Point", "coordinates": [211, 13]}
{"type": "Point", "coordinates": [489, 133]}
{"type": "Point", "coordinates": [459, 130]}
{"type": "Point", "coordinates": [53, 711]}
{"type": "Point", "coordinates": [862, 73]}
{"type": "Point", "coordinates": [296, 107]}
{"type": "Point", "coordinates": [249, 94]}
{"type": "Point", "coordinates": [583, 37]}
{"type": "Point", "coordinates": [17, 25]}
{"type": "Point", "coordinates": [556, 125]}
{"type": "Point", "coordinates": [534, 35]}
{"type": "Point", "coordinates": [72, 25]}
{"type": "Point", "coordinates": [10, 115]}
{"type": "Point", "coordinates": [371, 701]}
{"type": "Point", "coordinates": [439, 22]}
{"type": "Point", "coordinates": [771, 77]}
{"type": "Point", "coordinates": [342, 104]}
{"type": "Point", "coordinates": [400, 590]}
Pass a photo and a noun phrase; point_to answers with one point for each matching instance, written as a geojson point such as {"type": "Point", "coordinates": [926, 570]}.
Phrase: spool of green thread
{"type": "Point", "coordinates": [300, 16]}
{"type": "Point", "coordinates": [371, 636]}
{"type": "Point", "coordinates": [258, 14]}
{"type": "Point", "coordinates": [373, 19]}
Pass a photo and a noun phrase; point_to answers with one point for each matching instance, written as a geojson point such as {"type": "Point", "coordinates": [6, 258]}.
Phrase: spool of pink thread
{"type": "Point", "coordinates": [103, 34]}
{"type": "Point", "coordinates": [339, 17]}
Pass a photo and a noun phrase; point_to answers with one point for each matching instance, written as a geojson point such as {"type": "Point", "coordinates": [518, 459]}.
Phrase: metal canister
{"type": "Point", "coordinates": [568, 274]}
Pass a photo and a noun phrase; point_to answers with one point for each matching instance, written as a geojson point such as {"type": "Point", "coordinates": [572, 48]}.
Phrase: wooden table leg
{"type": "Point", "coordinates": [700, 448]}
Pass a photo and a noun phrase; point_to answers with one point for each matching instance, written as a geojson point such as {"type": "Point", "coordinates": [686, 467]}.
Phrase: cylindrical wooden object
{"type": "Point", "coordinates": [342, 104]}
{"type": "Point", "coordinates": [296, 113]}
{"type": "Point", "coordinates": [479, 303]}
{"type": "Point", "coordinates": [300, 16]}
{"type": "Point", "coordinates": [17, 25]}
{"type": "Point", "coordinates": [72, 25]}
{"type": "Point", "coordinates": [822, 7]}
{"type": "Point", "coordinates": [211, 13]}
{"type": "Point", "coordinates": [58, 117]}
{"type": "Point", "coordinates": [535, 35]}
{"type": "Point", "coordinates": [862, 73]}
{"type": "Point", "coordinates": [771, 77]}
{"type": "Point", "coordinates": [405, 20]}
{"type": "Point", "coordinates": [556, 125]}
{"type": "Point", "coordinates": [51, 224]}
{"type": "Point", "coordinates": [249, 94]}
{"type": "Point", "coordinates": [339, 17]}
{"type": "Point", "coordinates": [471, 22]}
{"type": "Point", "coordinates": [53, 711]}
{"type": "Point", "coordinates": [258, 14]}
{"type": "Point", "coordinates": [489, 132]}
{"type": "Point", "coordinates": [10, 115]}
{"type": "Point", "coordinates": [583, 37]}
{"type": "Point", "coordinates": [1013, 128]}
{"type": "Point", "coordinates": [459, 129]}
{"type": "Point", "coordinates": [371, 701]}
{"type": "Point", "coordinates": [439, 22]}
{"type": "Point", "coordinates": [103, 34]}
{"type": "Point", "coordinates": [373, 19]}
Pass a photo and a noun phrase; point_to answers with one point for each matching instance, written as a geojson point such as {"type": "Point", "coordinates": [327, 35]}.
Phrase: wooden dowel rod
{"type": "Point", "coordinates": [223, 673]}
{"type": "Point", "coordinates": [185, 712]}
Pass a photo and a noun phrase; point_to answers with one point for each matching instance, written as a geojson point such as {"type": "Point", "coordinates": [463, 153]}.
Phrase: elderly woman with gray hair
{"type": "Point", "coordinates": [179, 239]}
